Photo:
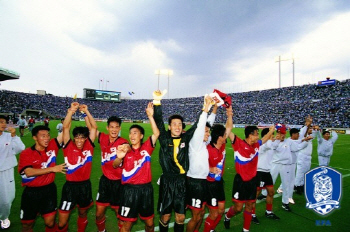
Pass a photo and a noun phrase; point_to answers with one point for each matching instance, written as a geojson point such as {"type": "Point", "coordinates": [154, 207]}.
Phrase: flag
{"type": "Point", "coordinates": [75, 96]}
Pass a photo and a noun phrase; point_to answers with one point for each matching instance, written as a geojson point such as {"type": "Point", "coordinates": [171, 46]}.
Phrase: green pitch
{"type": "Point", "coordinates": [300, 219]}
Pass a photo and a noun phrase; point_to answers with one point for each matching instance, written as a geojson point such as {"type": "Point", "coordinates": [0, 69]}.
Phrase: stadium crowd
{"type": "Point", "coordinates": [288, 105]}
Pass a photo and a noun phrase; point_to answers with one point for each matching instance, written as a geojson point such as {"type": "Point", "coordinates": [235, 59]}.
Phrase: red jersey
{"type": "Point", "coordinates": [137, 164]}
{"type": "Point", "coordinates": [32, 158]}
{"type": "Point", "coordinates": [78, 160]}
{"type": "Point", "coordinates": [246, 158]}
{"type": "Point", "coordinates": [109, 154]}
{"type": "Point", "coordinates": [216, 156]}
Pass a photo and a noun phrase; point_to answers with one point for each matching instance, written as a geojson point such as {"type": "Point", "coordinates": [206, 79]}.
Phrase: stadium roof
{"type": "Point", "coordinates": [6, 74]}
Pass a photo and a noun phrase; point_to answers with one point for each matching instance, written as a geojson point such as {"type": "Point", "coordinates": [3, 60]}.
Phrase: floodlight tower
{"type": "Point", "coordinates": [279, 60]}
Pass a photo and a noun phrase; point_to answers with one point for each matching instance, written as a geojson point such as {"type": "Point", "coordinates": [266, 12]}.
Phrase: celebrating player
{"type": "Point", "coordinates": [264, 177]}
{"type": "Point", "coordinates": [173, 158]}
{"type": "Point", "coordinates": [215, 182]}
{"type": "Point", "coordinates": [137, 192]}
{"type": "Point", "coordinates": [199, 167]}
{"type": "Point", "coordinates": [325, 146]}
{"type": "Point", "coordinates": [78, 157]}
{"type": "Point", "coordinates": [110, 181]}
{"type": "Point", "coordinates": [245, 181]}
{"type": "Point", "coordinates": [37, 166]}
{"type": "Point", "coordinates": [10, 145]}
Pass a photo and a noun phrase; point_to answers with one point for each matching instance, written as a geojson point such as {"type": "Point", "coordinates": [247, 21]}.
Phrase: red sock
{"type": "Point", "coordinates": [101, 224]}
{"type": "Point", "coordinates": [247, 216]}
{"type": "Point", "coordinates": [269, 207]}
{"type": "Point", "coordinates": [51, 229]}
{"type": "Point", "coordinates": [217, 220]}
{"type": "Point", "coordinates": [230, 213]}
{"type": "Point", "coordinates": [82, 223]}
{"type": "Point", "coordinates": [64, 229]}
{"type": "Point", "coordinates": [208, 225]}
{"type": "Point", "coordinates": [120, 225]}
{"type": "Point", "coordinates": [253, 210]}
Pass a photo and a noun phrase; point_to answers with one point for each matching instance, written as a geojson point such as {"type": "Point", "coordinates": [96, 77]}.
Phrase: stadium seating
{"type": "Point", "coordinates": [329, 105]}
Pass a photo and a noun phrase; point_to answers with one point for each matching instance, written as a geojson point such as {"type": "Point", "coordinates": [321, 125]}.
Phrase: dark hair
{"type": "Point", "coordinates": [114, 119]}
{"type": "Point", "coordinates": [293, 131]}
{"type": "Point", "coordinates": [140, 128]}
{"type": "Point", "coordinates": [325, 132]}
{"type": "Point", "coordinates": [208, 125]}
{"type": "Point", "coordinates": [264, 132]}
{"type": "Point", "coordinates": [217, 131]}
{"type": "Point", "coordinates": [36, 129]}
{"type": "Point", "coordinates": [81, 130]}
{"type": "Point", "coordinates": [22, 116]}
{"type": "Point", "coordinates": [175, 116]}
{"type": "Point", "coordinates": [3, 117]}
{"type": "Point", "coordinates": [250, 130]}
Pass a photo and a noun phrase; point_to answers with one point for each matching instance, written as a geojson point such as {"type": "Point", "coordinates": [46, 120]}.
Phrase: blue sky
{"type": "Point", "coordinates": [65, 46]}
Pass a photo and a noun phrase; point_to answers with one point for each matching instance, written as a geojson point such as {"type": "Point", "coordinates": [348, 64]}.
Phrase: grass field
{"type": "Point", "coordinates": [300, 219]}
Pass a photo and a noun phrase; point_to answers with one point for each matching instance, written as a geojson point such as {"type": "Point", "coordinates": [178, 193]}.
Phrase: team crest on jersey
{"type": "Point", "coordinates": [323, 188]}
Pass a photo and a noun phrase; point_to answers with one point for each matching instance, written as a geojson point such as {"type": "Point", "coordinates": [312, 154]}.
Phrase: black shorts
{"type": "Point", "coordinates": [197, 193]}
{"type": "Point", "coordinates": [265, 179]}
{"type": "Point", "coordinates": [76, 193]}
{"type": "Point", "coordinates": [108, 192]}
{"type": "Point", "coordinates": [172, 193]}
{"type": "Point", "coordinates": [216, 193]}
{"type": "Point", "coordinates": [38, 200]}
{"type": "Point", "coordinates": [136, 200]}
{"type": "Point", "coordinates": [243, 191]}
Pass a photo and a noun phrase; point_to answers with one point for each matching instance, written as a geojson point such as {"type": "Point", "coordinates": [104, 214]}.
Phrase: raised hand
{"type": "Point", "coordinates": [158, 95]}
{"type": "Point", "coordinates": [83, 108]}
{"type": "Point", "coordinates": [308, 120]}
{"type": "Point", "coordinates": [149, 109]}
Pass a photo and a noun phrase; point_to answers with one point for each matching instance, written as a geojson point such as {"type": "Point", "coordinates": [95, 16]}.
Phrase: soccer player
{"type": "Point", "coordinates": [215, 182]}
{"type": "Point", "coordinates": [199, 167]}
{"type": "Point", "coordinates": [137, 191]}
{"type": "Point", "coordinates": [78, 157]}
{"type": "Point", "coordinates": [264, 177]}
{"type": "Point", "coordinates": [110, 181]}
{"type": "Point", "coordinates": [31, 123]}
{"type": "Point", "coordinates": [46, 121]}
{"type": "Point", "coordinates": [304, 156]}
{"type": "Point", "coordinates": [325, 146]}
{"type": "Point", "coordinates": [10, 145]}
{"type": "Point", "coordinates": [283, 159]}
{"type": "Point", "coordinates": [59, 126]}
{"type": "Point", "coordinates": [246, 181]}
{"type": "Point", "coordinates": [22, 123]}
{"type": "Point", "coordinates": [173, 158]}
{"type": "Point", "coordinates": [37, 166]}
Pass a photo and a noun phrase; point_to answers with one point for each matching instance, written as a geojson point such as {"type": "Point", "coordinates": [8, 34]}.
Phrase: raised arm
{"type": "Point", "coordinates": [334, 136]}
{"type": "Point", "coordinates": [212, 116]}
{"type": "Point", "coordinates": [68, 121]}
{"type": "Point", "coordinates": [158, 114]}
{"type": "Point", "coordinates": [229, 122]}
{"type": "Point", "coordinates": [90, 122]}
{"type": "Point", "coordinates": [268, 135]}
{"type": "Point", "coordinates": [150, 112]}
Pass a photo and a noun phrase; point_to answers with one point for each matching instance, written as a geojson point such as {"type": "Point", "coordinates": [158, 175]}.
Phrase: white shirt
{"type": "Point", "coordinates": [9, 147]}
{"type": "Point", "coordinates": [325, 147]}
{"type": "Point", "coordinates": [265, 157]}
{"type": "Point", "coordinates": [283, 150]}
{"type": "Point", "coordinates": [308, 149]}
{"type": "Point", "coordinates": [198, 153]}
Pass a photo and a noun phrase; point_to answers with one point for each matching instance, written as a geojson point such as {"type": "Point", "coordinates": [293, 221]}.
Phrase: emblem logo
{"type": "Point", "coordinates": [323, 188]}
